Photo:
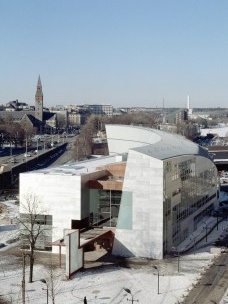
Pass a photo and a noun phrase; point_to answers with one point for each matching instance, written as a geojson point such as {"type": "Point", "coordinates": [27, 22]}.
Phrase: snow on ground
{"type": "Point", "coordinates": [222, 132]}
{"type": "Point", "coordinates": [106, 284]}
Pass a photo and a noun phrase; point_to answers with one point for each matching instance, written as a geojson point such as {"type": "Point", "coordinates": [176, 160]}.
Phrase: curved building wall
{"type": "Point", "coordinates": [162, 203]}
{"type": "Point", "coordinates": [170, 185]}
{"type": "Point", "coordinates": [190, 194]}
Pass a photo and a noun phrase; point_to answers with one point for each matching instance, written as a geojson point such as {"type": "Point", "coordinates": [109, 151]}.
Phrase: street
{"type": "Point", "coordinates": [213, 284]}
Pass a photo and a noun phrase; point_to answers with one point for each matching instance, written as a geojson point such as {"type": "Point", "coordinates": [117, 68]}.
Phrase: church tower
{"type": "Point", "coordinates": [39, 101]}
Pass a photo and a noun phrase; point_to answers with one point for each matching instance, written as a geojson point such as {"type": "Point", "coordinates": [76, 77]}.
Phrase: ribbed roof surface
{"type": "Point", "coordinates": [152, 142]}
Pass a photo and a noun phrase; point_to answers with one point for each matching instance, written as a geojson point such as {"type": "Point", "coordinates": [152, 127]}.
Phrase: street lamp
{"type": "Point", "coordinates": [178, 261]}
{"type": "Point", "coordinates": [37, 147]}
{"type": "Point", "coordinates": [206, 229]}
{"type": "Point", "coordinates": [26, 149]}
{"type": "Point", "coordinates": [194, 239]}
{"type": "Point", "coordinates": [11, 160]}
{"type": "Point", "coordinates": [132, 299]}
{"type": "Point", "coordinates": [23, 276]}
{"type": "Point", "coordinates": [45, 282]}
{"type": "Point", "coordinates": [217, 222]}
{"type": "Point", "coordinates": [58, 138]}
{"type": "Point", "coordinates": [155, 267]}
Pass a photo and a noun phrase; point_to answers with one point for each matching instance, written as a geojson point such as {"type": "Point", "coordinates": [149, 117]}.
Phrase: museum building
{"type": "Point", "coordinates": [152, 192]}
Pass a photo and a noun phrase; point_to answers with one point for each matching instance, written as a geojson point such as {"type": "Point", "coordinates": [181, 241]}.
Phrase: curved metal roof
{"type": "Point", "coordinates": [152, 142]}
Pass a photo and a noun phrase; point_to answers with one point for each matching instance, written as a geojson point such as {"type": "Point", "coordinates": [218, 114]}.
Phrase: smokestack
{"type": "Point", "coordinates": [188, 102]}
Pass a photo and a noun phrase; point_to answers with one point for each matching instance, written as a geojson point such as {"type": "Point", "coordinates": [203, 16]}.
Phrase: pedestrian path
{"type": "Point", "coordinates": [209, 230]}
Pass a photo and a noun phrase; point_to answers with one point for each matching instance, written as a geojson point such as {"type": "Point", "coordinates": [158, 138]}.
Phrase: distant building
{"type": "Point", "coordinates": [75, 118]}
{"type": "Point", "coordinates": [78, 117]}
{"type": "Point", "coordinates": [15, 105]}
{"type": "Point", "coordinates": [78, 114]}
{"type": "Point", "coordinates": [181, 116]}
{"type": "Point", "coordinates": [99, 109]}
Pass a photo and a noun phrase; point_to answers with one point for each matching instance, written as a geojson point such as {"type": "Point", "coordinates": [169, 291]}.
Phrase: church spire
{"type": "Point", "coordinates": [39, 101]}
{"type": "Point", "coordinates": [39, 92]}
{"type": "Point", "coordinates": [39, 82]}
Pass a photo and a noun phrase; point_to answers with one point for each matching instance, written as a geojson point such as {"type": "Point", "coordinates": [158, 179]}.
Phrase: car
{"type": "Point", "coordinates": [13, 160]}
{"type": "Point", "coordinates": [27, 155]}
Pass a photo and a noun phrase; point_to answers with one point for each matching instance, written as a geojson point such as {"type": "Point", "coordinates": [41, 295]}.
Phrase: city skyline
{"type": "Point", "coordinates": [124, 53]}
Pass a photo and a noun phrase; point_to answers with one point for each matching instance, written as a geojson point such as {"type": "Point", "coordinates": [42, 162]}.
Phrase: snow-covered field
{"type": "Point", "coordinates": [106, 284]}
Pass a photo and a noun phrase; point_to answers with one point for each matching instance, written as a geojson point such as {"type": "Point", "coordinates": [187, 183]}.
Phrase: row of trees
{"type": "Point", "coordinates": [14, 133]}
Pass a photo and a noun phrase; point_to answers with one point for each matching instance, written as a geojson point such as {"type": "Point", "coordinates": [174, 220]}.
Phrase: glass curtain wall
{"type": "Point", "coordinates": [107, 208]}
{"type": "Point", "coordinates": [189, 184]}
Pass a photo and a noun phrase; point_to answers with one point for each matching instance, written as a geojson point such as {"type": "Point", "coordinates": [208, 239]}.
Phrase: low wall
{"type": "Point", "coordinates": [7, 227]}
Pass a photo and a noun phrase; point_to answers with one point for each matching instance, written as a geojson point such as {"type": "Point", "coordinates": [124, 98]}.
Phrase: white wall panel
{"type": "Point", "coordinates": [144, 178]}
{"type": "Point", "coordinates": [59, 195]}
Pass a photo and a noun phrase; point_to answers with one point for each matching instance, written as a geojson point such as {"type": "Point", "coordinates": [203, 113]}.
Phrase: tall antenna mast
{"type": "Point", "coordinates": [163, 110]}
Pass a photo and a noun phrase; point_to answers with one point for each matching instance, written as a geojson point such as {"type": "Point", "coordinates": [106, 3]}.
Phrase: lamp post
{"type": "Point", "coordinates": [52, 137]}
{"type": "Point", "coordinates": [206, 229]}
{"type": "Point", "coordinates": [58, 138]}
{"type": "Point", "coordinates": [132, 299]}
{"type": "Point", "coordinates": [194, 239]}
{"type": "Point", "coordinates": [2, 139]}
{"type": "Point", "coordinates": [23, 277]}
{"type": "Point", "coordinates": [155, 267]}
{"type": "Point", "coordinates": [11, 160]}
{"type": "Point", "coordinates": [178, 261]}
{"type": "Point", "coordinates": [45, 282]}
{"type": "Point", "coordinates": [26, 149]}
{"type": "Point", "coordinates": [217, 222]}
{"type": "Point", "coordinates": [37, 147]}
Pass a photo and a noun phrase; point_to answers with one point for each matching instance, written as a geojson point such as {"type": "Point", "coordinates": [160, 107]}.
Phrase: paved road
{"type": "Point", "coordinates": [213, 285]}
{"type": "Point", "coordinates": [66, 156]}
{"type": "Point", "coordinates": [18, 154]}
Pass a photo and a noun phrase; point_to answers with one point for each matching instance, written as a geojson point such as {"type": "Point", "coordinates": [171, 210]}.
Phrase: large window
{"type": "Point", "coordinates": [108, 203]}
{"type": "Point", "coordinates": [40, 225]}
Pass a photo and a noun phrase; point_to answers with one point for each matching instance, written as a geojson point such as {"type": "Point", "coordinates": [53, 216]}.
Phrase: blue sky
{"type": "Point", "coordinates": [123, 52]}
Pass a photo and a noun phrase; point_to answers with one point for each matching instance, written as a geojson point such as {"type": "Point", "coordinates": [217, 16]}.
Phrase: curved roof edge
{"type": "Point", "coordinates": [152, 142]}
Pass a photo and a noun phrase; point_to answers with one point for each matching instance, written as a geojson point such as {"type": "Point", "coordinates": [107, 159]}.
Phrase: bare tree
{"type": "Point", "coordinates": [77, 151]}
{"type": "Point", "coordinates": [53, 280]}
{"type": "Point", "coordinates": [10, 133]}
{"type": "Point", "coordinates": [62, 121]}
{"type": "Point", "coordinates": [33, 226]}
{"type": "Point", "coordinates": [83, 143]}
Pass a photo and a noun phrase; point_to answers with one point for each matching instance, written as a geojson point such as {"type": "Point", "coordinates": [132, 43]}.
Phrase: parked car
{"type": "Point", "coordinates": [13, 160]}
{"type": "Point", "coordinates": [27, 155]}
